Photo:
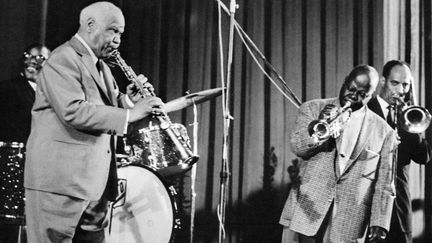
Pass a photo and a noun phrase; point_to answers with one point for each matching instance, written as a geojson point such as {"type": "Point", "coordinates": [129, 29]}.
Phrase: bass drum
{"type": "Point", "coordinates": [146, 211]}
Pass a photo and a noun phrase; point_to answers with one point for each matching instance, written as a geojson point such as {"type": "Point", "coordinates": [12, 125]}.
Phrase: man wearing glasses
{"type": "Point", "coordinates": [17, 96]}
{"type": "Point", "coordinates": [16, 100]}
{"type": "Point", "coordinates": [346, 175]}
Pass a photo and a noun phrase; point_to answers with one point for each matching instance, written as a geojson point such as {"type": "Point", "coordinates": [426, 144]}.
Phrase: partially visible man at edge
{"type": "Point", "coordinates": [16, 100]}
{"type": "Point", "coordinates": [396, 83]}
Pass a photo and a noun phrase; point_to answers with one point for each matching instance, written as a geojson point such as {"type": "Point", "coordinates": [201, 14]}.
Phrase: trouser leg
{"type": "Point", "coordinates": [52, 217]}
{"type": "Point", "coordinates": [92, 223]}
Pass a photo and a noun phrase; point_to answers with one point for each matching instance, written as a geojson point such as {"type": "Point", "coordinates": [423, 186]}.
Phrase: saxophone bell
{"type": "Point", "coordinates": [167, 145]}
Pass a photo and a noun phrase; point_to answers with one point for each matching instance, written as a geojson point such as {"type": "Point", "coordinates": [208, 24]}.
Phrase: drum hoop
{"type": "Point", "coordinates": [11, 144]}
{"type": "Point", "coordinates": [171, 193]}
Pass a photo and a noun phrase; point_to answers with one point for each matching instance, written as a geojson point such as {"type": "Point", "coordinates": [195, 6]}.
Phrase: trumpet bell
{"type": "Point", "coordinates": [415, 119]}
{"type": "Point", "coordinates": [321, 131]}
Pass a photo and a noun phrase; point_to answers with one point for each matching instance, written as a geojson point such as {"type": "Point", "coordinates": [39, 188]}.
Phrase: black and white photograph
{"type": "Point", "coordinates": [204, 121]}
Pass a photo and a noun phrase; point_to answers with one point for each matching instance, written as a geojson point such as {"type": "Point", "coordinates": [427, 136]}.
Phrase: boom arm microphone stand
{"type": "Point", "coordinates": [282, 87]}
{"type": "Point", "coordinates": [285, 90]}
{"type": "Point", "coordinates": [225, 174]}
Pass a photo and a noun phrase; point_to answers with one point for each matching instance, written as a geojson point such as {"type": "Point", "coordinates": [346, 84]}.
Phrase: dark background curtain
{"type": "Point", "coordinates": [312, 43]}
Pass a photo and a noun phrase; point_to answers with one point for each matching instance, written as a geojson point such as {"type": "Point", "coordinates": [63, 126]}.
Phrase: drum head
{"type": "Point", "coordinates": [147, 213]}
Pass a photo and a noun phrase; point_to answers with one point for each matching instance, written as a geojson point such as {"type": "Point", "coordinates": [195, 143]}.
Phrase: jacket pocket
{"type": "Point", "coordinates": [369, 160]}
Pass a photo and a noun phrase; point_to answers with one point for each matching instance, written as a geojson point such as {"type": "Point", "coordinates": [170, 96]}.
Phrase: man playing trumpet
{"type": "Point", "coordinates": [346, 181]}
{"type": "Point", "coordinates": [397, 89]}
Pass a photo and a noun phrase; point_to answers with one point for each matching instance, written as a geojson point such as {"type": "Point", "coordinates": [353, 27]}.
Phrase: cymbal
{"type": "Point", "coordinates": [190, 99]}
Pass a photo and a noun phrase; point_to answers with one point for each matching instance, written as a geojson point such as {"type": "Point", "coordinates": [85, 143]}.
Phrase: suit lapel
{"type": "Point", "coordinates": [336, 162]}
{"type": "Point", "coordinates": [109, 83]}
{"type": "Point", "coordinates": [28, 92]}
{"type": "Point", "coordinates": [336, 166]}
{"type": "Point", "coordinates": [362, 139]}
{"type": "Point", "coordinates": [91, 67]}
{"type": "Point", "coordinates": [375, 106]}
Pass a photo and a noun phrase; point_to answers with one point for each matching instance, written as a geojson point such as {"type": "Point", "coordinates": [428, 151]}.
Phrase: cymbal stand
{"type": "Point", "coordinates": [193, 172]}
{"type": "Point", "coordinates": [20, 233]}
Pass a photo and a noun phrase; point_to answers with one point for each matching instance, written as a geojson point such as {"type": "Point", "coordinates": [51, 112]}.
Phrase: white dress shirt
{"type": "Point", "coordinates": [347, 140]}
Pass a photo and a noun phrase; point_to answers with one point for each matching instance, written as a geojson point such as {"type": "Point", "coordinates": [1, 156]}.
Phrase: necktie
{"type": "Point", "coordinates": [389, 117]}
{"type": "Point", "coordinates": [100, 68]}
{"type": "Point", "coordinates": [111, 189]}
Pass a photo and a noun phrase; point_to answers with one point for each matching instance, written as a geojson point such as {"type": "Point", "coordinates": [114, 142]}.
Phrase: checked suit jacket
{"type": "Point", "coordinates": [363, 193]}
{"type": "Point", "coordinates": [69, 150]}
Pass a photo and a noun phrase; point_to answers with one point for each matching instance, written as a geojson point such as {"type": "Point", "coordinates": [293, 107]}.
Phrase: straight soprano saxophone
{"type": "Point", "coordinates": [182, 147]}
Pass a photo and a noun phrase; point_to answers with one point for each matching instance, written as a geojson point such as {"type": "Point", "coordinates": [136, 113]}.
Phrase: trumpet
{"type": "Point", "coordinates": [325, 129]}
{"type": "Point", "coordinates": [413, 119]}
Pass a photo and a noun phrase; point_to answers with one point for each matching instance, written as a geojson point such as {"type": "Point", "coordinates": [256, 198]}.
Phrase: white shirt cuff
{"type": "Point", "coordinates": [127, 121]}
{"type": "Point", "coordinates": [129, 102]}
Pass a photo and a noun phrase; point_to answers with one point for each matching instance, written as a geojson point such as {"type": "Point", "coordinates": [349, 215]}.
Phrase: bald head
{"type": "Point", "coordinates": [396, 81]}
{"type": "Point", "coordinates": [99, 11]}
{"type": "Point", "coordinates": [374, 79]}
{"type": "Point", "coordinates": [101, 26]}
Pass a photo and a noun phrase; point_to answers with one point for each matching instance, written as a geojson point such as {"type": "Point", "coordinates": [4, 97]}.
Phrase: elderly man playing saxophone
{"type": "Point", "coordinates": [70, 172]}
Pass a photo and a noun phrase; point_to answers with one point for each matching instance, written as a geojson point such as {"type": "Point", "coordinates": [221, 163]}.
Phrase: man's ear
{"type": "Point", "coordinates": [90, 24]}
{"type": "Point", "coordinates": [382, 81]}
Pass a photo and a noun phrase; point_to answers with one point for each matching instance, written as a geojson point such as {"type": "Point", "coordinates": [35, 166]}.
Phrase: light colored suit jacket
{"type": "Point", "coordinates": [68, 151]}
{"type": "Point", "coordinates": [363, 193]}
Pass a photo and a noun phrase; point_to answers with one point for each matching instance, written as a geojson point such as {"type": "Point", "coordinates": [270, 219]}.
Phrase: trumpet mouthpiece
{"type": "Point", "coordinates": [346, 106]}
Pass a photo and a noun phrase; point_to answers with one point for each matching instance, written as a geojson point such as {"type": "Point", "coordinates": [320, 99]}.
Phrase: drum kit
{"type": "Point", "coordinates": [11, 177]}
{"type": "Point", "coordinates": [147, 207]}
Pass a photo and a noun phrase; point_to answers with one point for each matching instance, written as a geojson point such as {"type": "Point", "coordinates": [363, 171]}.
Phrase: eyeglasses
{"type": "Point", "coordinates": [361, 93]}
{"type": "Point", "coordinates": [38, 58]}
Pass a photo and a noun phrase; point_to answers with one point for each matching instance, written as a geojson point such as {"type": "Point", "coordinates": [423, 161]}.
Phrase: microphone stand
{"type": "Point", "coordinates": [396, 150]}
{"type": "Point", "coordinates": [225, 174]}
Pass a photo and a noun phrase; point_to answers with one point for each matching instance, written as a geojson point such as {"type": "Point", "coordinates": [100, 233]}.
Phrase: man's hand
{"type": "Point", "coordinates": [330, 111]}
{"type": "Point", "coordinates": [145, 107]}
{"type": "Point", "coordinates": [376, 234]}
{"type": "Point", "coordinates": [134, 93]}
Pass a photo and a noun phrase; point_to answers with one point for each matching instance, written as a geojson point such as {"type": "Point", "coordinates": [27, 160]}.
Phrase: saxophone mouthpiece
{"type": "Point", "coordinates": [115, 52]}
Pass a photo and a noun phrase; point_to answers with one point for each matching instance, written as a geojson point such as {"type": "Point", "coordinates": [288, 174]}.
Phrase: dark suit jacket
{"type": "Point", "coordinates": [412, 147]}
{"type": "Point", "coordinates": [16, 101]}
{"type": "Point", "coordinates": [69, 151]}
